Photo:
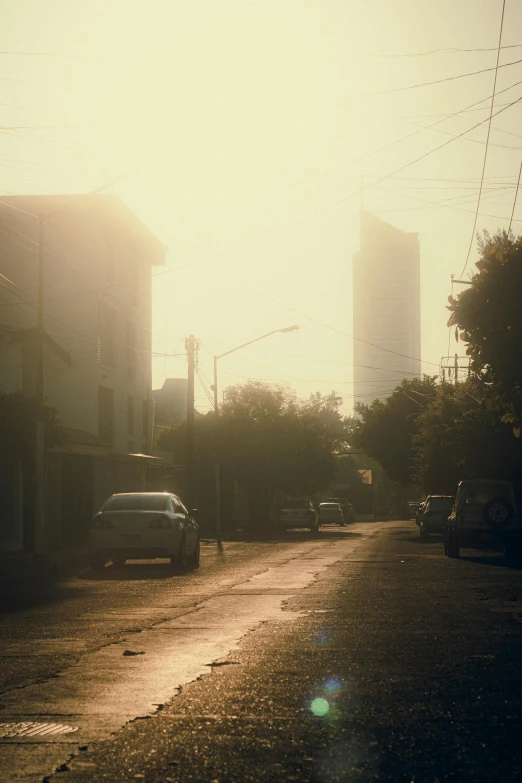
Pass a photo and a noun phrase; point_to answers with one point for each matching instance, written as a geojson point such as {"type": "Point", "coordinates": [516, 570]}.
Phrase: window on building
{"type": "Point", "coordinates": [130, 414]}
{"type": "Point", "coordinates": [106, 414]}
{"type": "Point", "coordinates": [107, 326]}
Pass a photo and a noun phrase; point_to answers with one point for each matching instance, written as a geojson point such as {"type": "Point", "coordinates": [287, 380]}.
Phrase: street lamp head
{"type": "Point", "coordinates": [294, 328]}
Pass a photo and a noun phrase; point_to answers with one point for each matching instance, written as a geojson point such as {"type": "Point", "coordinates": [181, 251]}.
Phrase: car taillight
{"type": "Point", "coordinates": [99, 523]}
{"type": "Point", "coordinates": [160, 523]}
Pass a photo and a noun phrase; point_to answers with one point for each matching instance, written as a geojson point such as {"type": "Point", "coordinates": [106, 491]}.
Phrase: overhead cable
{"type": "Point", "coordinates": [487, 142]}
{"type": "Point", "coordinates": [515, 199]}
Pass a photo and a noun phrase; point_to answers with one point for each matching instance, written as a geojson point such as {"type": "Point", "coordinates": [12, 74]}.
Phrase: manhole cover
{"type": "Point", "coordinates": [34, 729]}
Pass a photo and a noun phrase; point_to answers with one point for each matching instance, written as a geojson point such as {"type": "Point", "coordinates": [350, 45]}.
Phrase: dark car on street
{"type": "Point", "coordinates": [486, 512]}
{"type": "Point", "coordinates": [435, 515]}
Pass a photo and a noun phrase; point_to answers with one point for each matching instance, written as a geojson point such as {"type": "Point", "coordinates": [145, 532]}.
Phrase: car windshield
{"type": "Point", "coordinates": [138, 502]}
{"type": "Point", "coordinates": [440, 504]}
{"type": "Point", "coordinates": [296, 504]}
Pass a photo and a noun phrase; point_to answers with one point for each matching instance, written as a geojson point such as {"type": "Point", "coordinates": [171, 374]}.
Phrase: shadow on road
{"type": "Point", "coordinates": [131, 572]}
{"type": "Point", "coordinates": [279, 536]}
{"type": "Point", "coordinates": [497, 559]}
{"type": "Point", "coordinates": [433, 539]}
{"type": "Point", "coordinates": [18, 597]}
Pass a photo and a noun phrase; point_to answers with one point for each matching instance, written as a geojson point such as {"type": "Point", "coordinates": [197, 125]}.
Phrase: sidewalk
{"type": "Point", "coordinates": [53, 565]}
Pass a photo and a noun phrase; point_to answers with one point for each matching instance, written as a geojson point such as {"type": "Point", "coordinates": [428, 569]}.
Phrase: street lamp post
{"type": "Point", "coordinates": [217, 472]}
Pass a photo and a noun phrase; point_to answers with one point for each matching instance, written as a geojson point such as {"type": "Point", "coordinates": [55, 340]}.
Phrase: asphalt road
{"type": "Point", "coordinates": [362, 655]}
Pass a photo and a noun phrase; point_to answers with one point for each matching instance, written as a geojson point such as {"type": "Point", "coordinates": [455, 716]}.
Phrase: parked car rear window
{"type": "Point", "coordinates": [440, 504]}
{"type": "Point", "coordinates": [136, 503]}
{"type": "Point", "coordinates": [329, 505]}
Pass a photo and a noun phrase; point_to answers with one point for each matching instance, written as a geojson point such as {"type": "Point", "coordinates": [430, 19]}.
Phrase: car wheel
{"type": "Point", "coordinates": [118, 561]}
{"type": "Point", "coordinates": [193, 559]}
{"type": "Point", "coordinates": [453, 544]}
{"type": "Point", "coordinates": [97, 561]}
{"type": "Point", "coordinates": [180, 560]}
{"type": "Point", "coordinates": [497, 512]}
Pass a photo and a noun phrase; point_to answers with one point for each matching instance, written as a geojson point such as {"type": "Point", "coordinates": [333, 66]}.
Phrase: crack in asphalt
{"type": "Point", "coordinates": [319, 551]}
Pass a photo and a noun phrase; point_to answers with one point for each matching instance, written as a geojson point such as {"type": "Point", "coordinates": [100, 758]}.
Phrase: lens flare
{"type": "Point", "coordinates": [332, 686]}
{"type": "Point", "coordinates": [321, 637]}
{"type": "Point", "coordinates": [320, 707]}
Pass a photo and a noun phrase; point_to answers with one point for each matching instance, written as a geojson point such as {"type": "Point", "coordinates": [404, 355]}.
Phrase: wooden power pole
{"type": "Point", "coordinates": [191, 345]}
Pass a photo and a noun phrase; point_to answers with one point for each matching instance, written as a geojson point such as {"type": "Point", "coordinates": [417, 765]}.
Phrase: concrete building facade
{"type": "Point", "coordinates": [386, 309]}
{"type": "Point", "coordinates": [97, 357]}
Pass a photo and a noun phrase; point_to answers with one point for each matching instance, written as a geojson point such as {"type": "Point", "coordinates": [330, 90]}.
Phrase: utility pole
{"type": "Point", "coordinates": [450, 367]}
{"type": "Point", "coordinates": [217, 466]}
{"type": "Point", "coordinates": [191, 346]}
{"type": "Point", "coordinates": [40, 516]}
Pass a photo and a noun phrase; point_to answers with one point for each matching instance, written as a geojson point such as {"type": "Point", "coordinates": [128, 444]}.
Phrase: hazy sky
{"type": "Point", "coordinates": [242, 131]}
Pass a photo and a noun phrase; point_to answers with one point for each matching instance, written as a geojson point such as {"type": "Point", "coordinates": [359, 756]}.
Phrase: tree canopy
{"type": "Point", "coordinates": [489, 313]}
{"type": "Point", "coordinates": [386, 429]}
{"type": "Point", "coordinates": [267, 439]}
{"type": "Point", "coordinates": [460, 435]}
{"type": "Point", "coordinates": [437, 437]}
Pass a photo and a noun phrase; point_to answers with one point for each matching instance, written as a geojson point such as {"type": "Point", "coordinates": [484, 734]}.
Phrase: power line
{"type": "Point", "coordinates": [487, 140]}
{"type": "Point", "coordinates": [433, 125]}
{"type": "Point", "coordinates": [515, 199]}
{"type": "Point", "coordinates": [446, 50]}
{"type": "Point", "coordinates": [315, 359]}
{"type": "Point", "coordinates": [328, 326]}
{"type": "Point", "coordinates": [318, 211]}
{"type": "Point", "coordinates": [437, 81]}
{"type": "Point", "coordinates": [439, 205]}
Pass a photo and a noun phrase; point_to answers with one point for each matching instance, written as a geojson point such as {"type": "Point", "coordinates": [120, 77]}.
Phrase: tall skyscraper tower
{"type": "Point", "coordinates": [386, 309]}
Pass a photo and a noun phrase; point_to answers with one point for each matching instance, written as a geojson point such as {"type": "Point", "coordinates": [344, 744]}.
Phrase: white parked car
{"type": "Point", "coordinates": [144, 525]}
{"type": "Point", "coordinates": [297, 514]}
{"type": "Point", "coordinates": [331, 514]}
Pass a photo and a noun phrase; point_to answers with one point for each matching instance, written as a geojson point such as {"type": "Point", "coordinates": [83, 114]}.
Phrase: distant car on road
{"type": "Point", "coordinates": [420, 512]}
{"type": "Point", "coordinates": [412, 510]}
{"type": "Point", "coordinates": [331, 514]}
{"type": "Point", "coordinates": [144, 525]}
{"type": "Point", "coordinates": [346, 506]}
{"type": "Point", "coordinates": [485, 512]}
{"type": "Point", "coordinates": [435, 513]}
{"type": "Point", "coordinates": [298, 513]}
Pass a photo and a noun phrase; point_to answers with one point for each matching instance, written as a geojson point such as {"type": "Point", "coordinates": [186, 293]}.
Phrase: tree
{"type": "Point", "coordinates": [268, 440]}
{"type": "Point", "coordinates": [460, 435]}
{"type": "Point", "coordinates": [489, 313]}
{"type": "Point", "coordinates": [386, 429]}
